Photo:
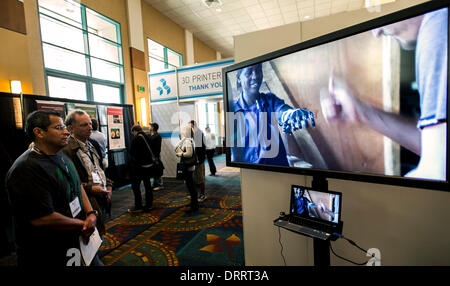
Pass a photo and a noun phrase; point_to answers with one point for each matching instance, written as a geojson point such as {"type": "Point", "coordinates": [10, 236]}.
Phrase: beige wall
{"type": "Point", "coordinates": [203, 53]}
{"type": "Point", "coordinates": [15, 66]}
{"type": "Point", "coordinates": [408, 225]}
{"type": "Point", "coordinates": [19, 60]}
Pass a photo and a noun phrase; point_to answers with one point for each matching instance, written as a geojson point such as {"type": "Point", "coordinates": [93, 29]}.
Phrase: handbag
{"type": "Point", "coordinates": [190, 161]}
{"type": "Point", "coordinates": [180, 171]}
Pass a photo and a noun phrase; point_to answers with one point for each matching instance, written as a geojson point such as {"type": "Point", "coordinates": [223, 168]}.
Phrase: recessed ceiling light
{"type": "Point", "coordinates": [307, 17]}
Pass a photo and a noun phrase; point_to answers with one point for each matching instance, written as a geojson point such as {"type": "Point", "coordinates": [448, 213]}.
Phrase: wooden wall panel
{"type": "Point", "coordinates": [12, 16]}
{"type": "Point", "coordinates": [137, 59]}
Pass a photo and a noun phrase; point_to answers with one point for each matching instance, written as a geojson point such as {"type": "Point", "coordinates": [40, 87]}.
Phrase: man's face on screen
{"type": "Point", "coordinates": [405, 32]}
{"type": "Point", "coordinates": [251, 79]}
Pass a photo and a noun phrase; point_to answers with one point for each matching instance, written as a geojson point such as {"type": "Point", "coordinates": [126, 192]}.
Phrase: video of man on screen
{"type": "Point", "coordinates": [372, 103]}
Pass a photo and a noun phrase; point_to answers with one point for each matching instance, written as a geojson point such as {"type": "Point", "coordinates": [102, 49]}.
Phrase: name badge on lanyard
{"type": "Point", "coordinates": [75, 207]}
{"type": "Point", "coordinates": [96, 178]}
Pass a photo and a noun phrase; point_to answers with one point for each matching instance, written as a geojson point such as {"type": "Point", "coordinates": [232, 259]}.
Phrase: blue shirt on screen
{"type": "Point", "coordinates": [431, 67]}
{"type": "Point", "coordinates": [258, 127]}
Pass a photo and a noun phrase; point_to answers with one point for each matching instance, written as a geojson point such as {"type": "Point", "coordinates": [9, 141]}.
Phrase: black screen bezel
{"type": "Point", "coordinates": [334, 36]}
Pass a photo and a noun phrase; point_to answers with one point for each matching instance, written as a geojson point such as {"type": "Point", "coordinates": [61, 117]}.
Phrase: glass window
{"type": "Point", "coordinates": [102, 49]}
{"type": "Point", "coordinates": [101, 26]}
{"type": "Point", "coordinates": [66, 11]}
{"type": "Point", "coordinates": [105, 70]}
{"type": "Point", "coordinates": [61, 34]}
{"type": "Point", "coordinates": [173, 58]}
{"type": "Point", "coordinates": [64, 60]}
{"type": "Point", "coordinates": [82, 45]}
{"type": "Point", "coordinates": [156, 65]}
{"type": "Point", "coordinates": [105, 93]}
{"type": "Point", "coordinates": [66, 88]}
{"type": "Point", "coordinates": [155, 50]}
{"type": "Point", "coordinates": [162, 58]}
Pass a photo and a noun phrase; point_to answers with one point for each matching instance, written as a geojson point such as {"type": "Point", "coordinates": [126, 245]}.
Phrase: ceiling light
{"type": "Point", "coordinates": [376, 3]}
{"type": "Point", "coordinates": [213, 4]}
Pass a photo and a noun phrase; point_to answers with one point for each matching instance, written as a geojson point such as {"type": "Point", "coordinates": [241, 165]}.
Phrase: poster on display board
{"type": "Point", "coordinates": [201, 80]}
{"type": "Point", "coordinates": [89, 108]}
{"type": "Point", "coordinates": [163, 86]}
{"type": "Point", "coordinates": [115, 128]}
{"type": "Point", "coordinates": [51, 106]}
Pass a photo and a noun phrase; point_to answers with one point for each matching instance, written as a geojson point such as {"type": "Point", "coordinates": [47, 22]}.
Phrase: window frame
{"type": "Point", "coordinates": [85, 30]}
{"type": "Point", "coordinates": [166, 57]}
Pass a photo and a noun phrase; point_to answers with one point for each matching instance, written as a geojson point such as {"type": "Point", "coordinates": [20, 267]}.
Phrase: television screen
{"type": "Point", "coordinates": [367, 103]}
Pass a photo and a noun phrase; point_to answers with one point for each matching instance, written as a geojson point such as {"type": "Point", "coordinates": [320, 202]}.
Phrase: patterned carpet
{"type": "Point", "coordinates": [169, 237]}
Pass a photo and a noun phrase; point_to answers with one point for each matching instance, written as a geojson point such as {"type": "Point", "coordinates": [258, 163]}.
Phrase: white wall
{"type": "Point", "coordinates": [408, 225]}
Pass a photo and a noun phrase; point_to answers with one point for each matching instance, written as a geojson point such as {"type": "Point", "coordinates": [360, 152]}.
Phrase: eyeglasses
{"type": "Point", "coordinates": [60, 127]}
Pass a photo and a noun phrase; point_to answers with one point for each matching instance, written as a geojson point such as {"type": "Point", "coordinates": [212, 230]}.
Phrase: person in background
{"type": "Point", "coordinates": [141, 159]}
{"type": "Point", "coordinates": [50, 207]}
{"type": "Point", "coordinates": [155, 144]}
{"type": "Point", "coordinates": [100, 138]}
{"type": "Point", "coordinates": [210, 141]}
{"type": "Point", "coordinates": [88, 164]}
{"type": "Point", "coordinates": [200, 151]}
{"type": "Point", "coordinates": [185, 150]}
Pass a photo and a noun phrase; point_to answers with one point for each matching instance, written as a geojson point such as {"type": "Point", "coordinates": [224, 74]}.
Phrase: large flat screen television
{"type": "Point", "coordinates": [366, 103]}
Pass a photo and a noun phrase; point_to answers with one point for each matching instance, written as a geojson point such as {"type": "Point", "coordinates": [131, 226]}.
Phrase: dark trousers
{"type": "Point", "coordinates": [136, 186]}
{"type": "Point", "coordinates": [189, 179]}
{"type": "Point", "coordinates": [210, 156]}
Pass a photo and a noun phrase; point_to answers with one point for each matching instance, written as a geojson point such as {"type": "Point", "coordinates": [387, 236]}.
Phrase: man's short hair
{"type": "Point", "coordinates": [94, 124]}
{"type": "Point", "coordinates": [192, 122]}
{"type": "Point", "coordinates": [155, 126]}
{"type": "Point", "coordinates": [136, 128]}
{"type": "Point", "coordinates": [70, 119]}
{"type": "Point", "coordinates": [38, 118]}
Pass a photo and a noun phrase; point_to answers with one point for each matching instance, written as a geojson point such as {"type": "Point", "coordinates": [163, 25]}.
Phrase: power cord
{"type": "Point", "coordinates": [279, 240]}
{"type": "Point", "coordinates": [352, 243]}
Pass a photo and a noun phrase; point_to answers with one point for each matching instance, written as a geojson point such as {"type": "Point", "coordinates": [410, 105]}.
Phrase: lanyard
{"type": "Point", "coordinates": [65, 171]}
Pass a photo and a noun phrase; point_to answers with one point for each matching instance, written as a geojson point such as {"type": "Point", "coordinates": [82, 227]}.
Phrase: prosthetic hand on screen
{"type": "Point", "coordinates": [292, 119]}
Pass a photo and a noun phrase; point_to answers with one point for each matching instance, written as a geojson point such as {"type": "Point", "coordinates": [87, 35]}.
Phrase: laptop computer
{"type": "Point", "coordinates": [313, 213]}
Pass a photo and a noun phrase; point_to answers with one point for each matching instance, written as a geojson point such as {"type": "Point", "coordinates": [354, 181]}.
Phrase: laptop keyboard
{"type": "Point", "coordinates": [304, 227]}
{"type": "Point", "coordinates": [306, 223]}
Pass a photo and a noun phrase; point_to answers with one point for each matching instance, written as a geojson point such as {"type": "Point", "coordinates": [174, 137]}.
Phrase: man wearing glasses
{"type": "Point", "coordinates": [50, 207]}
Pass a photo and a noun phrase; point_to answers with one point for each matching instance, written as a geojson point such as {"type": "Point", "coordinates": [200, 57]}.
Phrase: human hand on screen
{"type": "Point", "coordinates": [292, 119]}
{"type": "Point", "coordinates": [341, 104]}
{"type": "Point", "coordinates": [324, 212]}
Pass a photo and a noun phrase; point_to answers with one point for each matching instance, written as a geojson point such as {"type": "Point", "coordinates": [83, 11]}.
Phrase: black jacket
{"type": "Point", "coordinates": [155, 144]}
{"type": "Point", "coordinates": [140, 154]}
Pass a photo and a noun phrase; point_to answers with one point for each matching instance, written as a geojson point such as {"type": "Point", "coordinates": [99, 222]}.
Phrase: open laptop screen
{"type": "Point", "coordinates": [309, 203]}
